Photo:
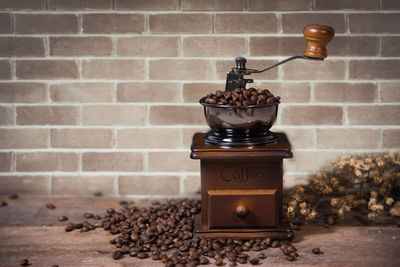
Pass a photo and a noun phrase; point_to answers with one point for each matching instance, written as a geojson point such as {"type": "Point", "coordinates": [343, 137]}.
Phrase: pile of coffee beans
{"type": "Point", "coordinates": [164, 232]}
{"type": "Point", "coordinates": [242, 97]}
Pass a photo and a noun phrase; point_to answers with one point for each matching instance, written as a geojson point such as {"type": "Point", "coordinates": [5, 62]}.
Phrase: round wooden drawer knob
{"type": "Point", "coordinates": [242, 211]}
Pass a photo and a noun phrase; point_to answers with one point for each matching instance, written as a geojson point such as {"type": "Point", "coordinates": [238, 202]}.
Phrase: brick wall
{"type": "Point", "coordinates": [103, 94]}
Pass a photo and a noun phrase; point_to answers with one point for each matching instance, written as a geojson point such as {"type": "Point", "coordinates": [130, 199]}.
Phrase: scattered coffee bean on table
{"type": "Point", "coordinates": [167, 227]}
{"type": "Point", "coordinates": [50, 206]}
{"type": "Point", "coordinates": [13, 196]}
{"type": "Point", "coordinates": [24, 262]}
{"type": "Point", "coordinates": [316, 250]}
{"type": "Point", "coordinates": [97, 194]}
{"type": "Point", "coordinates": [63, 218]}
{"type": "Point", "coordinates": [3, 204]}
{"type": "Point", "coordinates": [88, 215]}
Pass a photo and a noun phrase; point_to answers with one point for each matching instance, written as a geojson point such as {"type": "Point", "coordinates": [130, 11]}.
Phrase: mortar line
{"type": "Point", "coordinates": [115, 185]}
{"type": "Point", "coordinates": [181, 184]}
{"type": "Point", "coordinates": [14, 162]}
{"type": "Point", "coordinates": [145, 161]}
{"type": "Point", "coordinates": [49, 185]}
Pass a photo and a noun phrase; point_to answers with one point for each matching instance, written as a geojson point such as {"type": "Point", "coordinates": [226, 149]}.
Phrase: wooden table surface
{"type": "Point", "coordinates": [29, 230]}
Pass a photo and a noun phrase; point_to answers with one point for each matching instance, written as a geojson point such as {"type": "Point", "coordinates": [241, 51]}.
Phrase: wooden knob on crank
{"type": "Point", "coordinates": [317, 36]}
{"type": "Point", "coordinates": [242, 211]}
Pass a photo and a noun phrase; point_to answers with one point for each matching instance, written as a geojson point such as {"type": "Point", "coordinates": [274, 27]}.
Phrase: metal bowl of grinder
{"type": "Point", "coordinates": [240, 126]}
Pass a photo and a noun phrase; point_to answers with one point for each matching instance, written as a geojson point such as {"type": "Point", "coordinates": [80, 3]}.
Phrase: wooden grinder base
{"type": "Point", "coordinates": [241, 190]}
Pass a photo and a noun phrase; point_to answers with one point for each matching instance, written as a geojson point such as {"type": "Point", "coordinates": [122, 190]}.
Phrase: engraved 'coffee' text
{"type": "Point", "coordinates": [240, 175]}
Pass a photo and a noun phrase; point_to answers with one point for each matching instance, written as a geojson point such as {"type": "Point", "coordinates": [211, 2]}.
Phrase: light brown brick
{"type": "Point", "coordinates": [46, 23]}
{"type": "Point", "coordinates": [82, 185]}
{"type": "Point", "coordinates": [292, 179]}
{"type": "Point", "coordinates": [344, 92]}
{"type": "Point", "coordinates": [146, 5]}
{"type": "Point", "coordinates": [270, 5]}
{"type": "Point", "coordinates": [390, 46]}
{"type": "Point", "coordinates": [21, 47]}
{"type": "Point", "coordinates": [391, 138]}
{"type": "Point", "coordinates": [46, 161]}
{"type": "Point", "coordinates": [148, 138]}
{"type": "Point", "coordinates": [314, 70]}
{"type": "Point", "coordinates": [172, 162]}
{"type": "Point", "coordinates": [113, 23]}
{"type": "Point", "coordinates": [353, 46]}
{"type": "Point", "coordinates": [5, 69]}
{"type": "Point", "coordinates": [295, 22]}
{"type": "Point", "coordinates": [299, 138]}
{"type": "Point", "coordinates": [6, 115]}
{"type": "Point", "coordinates": [46, 69]}
{"type": "Point", "coordinates": [346, 5]}
{"type": "Point", "coordinates": [81, 92]}
{"type": "Point", "coordinates": [374, 69]}
{"type": "Point", "coordinates": [5, 161]}
{"type": "Point", "coordinates": [175, 69]}
{"type": "Point", "coordinates": [47, 115]}
{"type": "Point", "coordinates": [374, 115]}
{"type": "Point", "coordinates": [113, 69]}
{"type": "Point", "coordinates": [192, 92]}
{"type": "Point", "coordinates": [211, 46]}
{"type": "Point", "coordinates": [80, 5]}
{"type": "Point", "coordinates": [114, 115]}
{"type": "Point", "coordinates": [311, 115]}
{"type": "Point", "coordinates": [22, 92]}
{"type": "Point", "coordinates": [81, 138]}
{"type": "Point", "coordinates": [148, 92]}
{"type": "Point", "coordinates": [148, 185]}
{"type": "Point", "coordinates": [148, 46]}
{"type": "Point", "coordinates": [347, 138]}
{"type": "Point", "coordinates": [311, 161]}
{"type": "Point", "coordinates": [250, 23]}
{"type": "Point", "coordinates": [112, 161]}
{"type": "Point", "coordinates": [224, 66]}
{"type": "Point", "coordinates": [176, 115]}
{"type": "Point", "coordinates": [390, 5]}
{"type": "Point", "coordinates": [180, 23]}
{"type": "Point", "coordinates": [230, 5]}
{"type": "Point", "coordinates": [192, 185]}
{"type": "Point", "coordinates": [23, 4]}
{"type": "Point", "coordinates": [390, 92]}
{"type": "Point", "coordinates": [23, 138]}
{"type": "Point", "coordinates": [5, 23]}
{"type": "Point", "coordinates": [80, 46]}
{"type": "Point", "coordinates": [374, 23]}
{"type": "Point", "coordinates": [290, 92]}
{"type": "Point", "coordinates": [24, 185]}
{"type": "Point", "coordinates": [276, 46]}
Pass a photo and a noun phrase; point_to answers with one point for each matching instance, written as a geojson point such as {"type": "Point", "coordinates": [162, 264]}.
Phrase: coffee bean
{"type": "Point", "coordinates": [110, 210]}
{"type": "Point", "coordinates": [275, 244]}
{"type": "Point", "coordinates": [316, 250]}
{"type": "Point", "coordinates": [242, 260]}
{"type": "Point", "coordinates": [88, 215]}
{"type": "Point", "coordinates": [116, 255]}
{"type": "Point", "coordinates": [254, 261]}
{"type": "Point", "coordinates": [156, 257]}
{"type": "Point", "coordinates": [97, 194]}
{"type": "Point", "coordinates": [3, 204]}
{"type": "Point", "coordinates": [204, 261]}
{"type": "Point", "coordinates": [63, 218]}
{"type": "Point", "coordinates": [24, 262]}
{"type": "Point", "coordinates": [256, 248]}
{"type": "Point", "coordinates": [219, 261]}
{"type": "Point", "coordinates": [142, 255]}
{"type": "Point", "coordinates": [13, 196]}
{"type": "Point", "coordinates": [291, 258]}
{"type": "Point", "coordinates": [261, 255]}
{"type": "Point", "coordinates": [50, 206]}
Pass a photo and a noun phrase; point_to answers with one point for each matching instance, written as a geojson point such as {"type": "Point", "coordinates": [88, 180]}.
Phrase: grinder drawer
{"type": "Point", "coordinates": [242, 208]}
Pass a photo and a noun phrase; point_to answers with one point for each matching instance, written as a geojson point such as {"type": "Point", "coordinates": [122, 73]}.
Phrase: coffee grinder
{"type": "Point", "coordinates": [241, 160]}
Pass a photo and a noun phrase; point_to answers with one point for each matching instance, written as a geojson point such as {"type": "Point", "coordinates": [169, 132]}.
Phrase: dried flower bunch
{"type": "Point", "coordinates": [369, 183]}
